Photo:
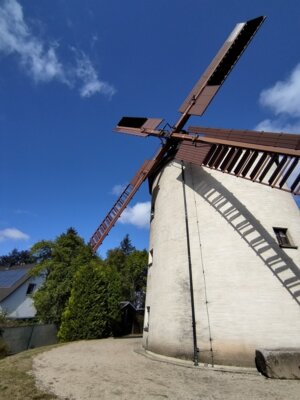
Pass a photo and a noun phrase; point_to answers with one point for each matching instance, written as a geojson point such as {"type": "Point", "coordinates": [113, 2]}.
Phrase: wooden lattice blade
{"type": "Point", "coordinates": [122, 202]}
{"type": "Point", "coordinates": [266, 164]}
{"type": "Point", "coordinates": [273, 139]}
{"type": "Point", "coordinates": [210, 82]}
{"type": "Point", "coordinates": [139, 126]}
{"type": "Point", "coordinates": [119, 206]}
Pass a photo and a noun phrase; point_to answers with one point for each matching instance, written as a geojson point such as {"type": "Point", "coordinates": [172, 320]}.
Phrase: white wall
{"type": "Point", "coordinates": [17, 304]}
{"type": "Point", "coordinates": [246, 288]}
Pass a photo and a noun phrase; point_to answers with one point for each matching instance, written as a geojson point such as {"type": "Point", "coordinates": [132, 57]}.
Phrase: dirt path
{"type": "Point", "coordinates": [111, 369]}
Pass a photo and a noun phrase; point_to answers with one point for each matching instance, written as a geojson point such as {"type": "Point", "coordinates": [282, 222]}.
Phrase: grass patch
{"type": "Point", "coordinates": [16, 379]}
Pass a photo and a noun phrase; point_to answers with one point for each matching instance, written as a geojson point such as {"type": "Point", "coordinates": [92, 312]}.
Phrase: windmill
{"type": "Point", "coordinates": [223, 255]}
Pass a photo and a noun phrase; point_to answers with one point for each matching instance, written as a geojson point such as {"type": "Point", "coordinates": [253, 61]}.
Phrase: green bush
{"type": "Point", "coordinates": [59, 260]}
{"type": "Point", "coordinates": [93, 309]}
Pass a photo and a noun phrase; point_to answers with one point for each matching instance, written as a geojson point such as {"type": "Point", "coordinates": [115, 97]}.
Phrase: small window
{"type": "Point", "coordinates": [146, 327]}
{"type": "Point", "coordinates": [152, 211]}
{"type": "Point", "coordinates": [154, 196]}
{"type": "Point", "coordinates": [150, 259]}
{"type": "Point", "coordinates": [30, 289]}
{"type": "Point", "coordinates": [283, 238]}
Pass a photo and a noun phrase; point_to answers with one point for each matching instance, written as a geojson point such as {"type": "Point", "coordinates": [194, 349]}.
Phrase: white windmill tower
{"type": "Point", "coordinates": [223, 277]}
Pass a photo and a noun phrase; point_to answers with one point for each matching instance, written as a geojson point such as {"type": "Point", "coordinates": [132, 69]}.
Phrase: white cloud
{"type": "Point", "coordinates": [278, 125]}
{"type": "Point", "coordinates": [138, 215]}
{"type": "Point", "coordinates": [15, 38]}
{"type": "Point", "coordinates": [89, 77]}
{"type": "Point", "coordinates": [25, 212]}
{"type": "Point", "coordinates": [118, 189]}
{"type": "Point", "coordinates": [12, 234]}
{"type": "Point", "coordinates": [283, 100]}
{"type": "Point", "coordinates": [284, 96]}
{"type": "Point", "coordinates": [40, 61]}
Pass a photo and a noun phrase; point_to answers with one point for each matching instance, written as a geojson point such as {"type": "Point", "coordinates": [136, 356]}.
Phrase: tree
{"type": "Point", "coordinates": [81, 293]}
{"type": "Point", "coordinates": [132, 267]}
{"type": "Point", "coordinates": [60, 259]}
{"type": "Point", "coordinates": [135, 277]}
{"type": "Point", "coordinates": [16, 257]}
{"type": "Point", "coordinates": [93, 309]}
{"type": "Point", "coordinates": [126, 246]}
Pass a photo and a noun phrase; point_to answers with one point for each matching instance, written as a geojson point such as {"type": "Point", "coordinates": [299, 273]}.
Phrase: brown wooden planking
{"type": "Point", "coordinates": [250, 163]}
{"type": "Point", "coordinates": [286, 140]}
{"type": "Point", "coordinates": [256, 137]}
{"type": "Point", "coordinates": [278, 170]}
{"type": "Point", "coordinates": [207, 93]}
{"type": "Point", "coordinates": [228, 158]}
{"type": "Point", "coordinates": [220, 131]}
{"type": "Point", "coordinates": [288, 172]}
{"type": "Point", "coordinates": [295, 184]}
{"type": "Point", "coordinates": [210, 153]}
{"type": "Point", "coordinates": [242, 161]}
{"type": "Point", "coordinates": [190, 152]}
{"type": "Point", "coordinates": [221, 156]}
{"type": "Point", "coordinates": [145, 168]}
{"type": "Point", "coordinates": [217, 71]}
{"type": "Point", "coordinates": [239, 162]}
{"type": "Point", "coordinates": [152, 123]}
{"type": "Point", "coordinates": [133, 128]}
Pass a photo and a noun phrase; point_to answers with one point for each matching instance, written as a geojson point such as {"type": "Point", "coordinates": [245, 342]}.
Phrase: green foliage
{"type": "Point", "coordinates": [126, 246]}
{"type": "Point", "coordinates": [42, 250]}
{"type": "Point", "coordinates": [60, 260]}
{"type": "Point", "coordinates": [94, 306]}
{"type": "Point", "coordinates": [81, 293]}
{"type": "Point", "coordinates": [135, 277]}
{"type": "Point", "coordinates": [132, 267]}
{"type": "Point", "coordinates": [16, 257]}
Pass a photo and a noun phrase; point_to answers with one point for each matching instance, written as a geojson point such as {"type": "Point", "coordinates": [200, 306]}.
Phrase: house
{"type": "Point", "coordinates": [16, 289]}
{"type": "Point", "coordinates": [132, 319]}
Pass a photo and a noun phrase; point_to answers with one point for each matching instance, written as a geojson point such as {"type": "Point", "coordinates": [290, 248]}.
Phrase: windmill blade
{"type": "Point", "coordinates": [139, 126]}
{"type": "Point", "coordinates": [268, 158]}
{"type": "Point", "coordinates": [115, 212]}
{"type": "Point", "coordinates": [274, 139]}
{"type": "Point", "coordinates": [210, 82]}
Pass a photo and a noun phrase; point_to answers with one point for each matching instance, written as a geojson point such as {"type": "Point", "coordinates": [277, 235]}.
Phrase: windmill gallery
{"type": "Point", "coordinates": [223, 276]}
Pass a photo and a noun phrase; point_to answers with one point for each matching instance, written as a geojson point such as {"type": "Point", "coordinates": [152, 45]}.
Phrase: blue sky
{"type": "Point", "coordinates": [69, 70]}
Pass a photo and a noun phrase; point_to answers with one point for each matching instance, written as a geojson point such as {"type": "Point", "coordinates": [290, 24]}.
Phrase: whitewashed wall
{"type": "Point", "coordinates": [20, 305]}
{"type": "Point", "coordinates": [246, 288]}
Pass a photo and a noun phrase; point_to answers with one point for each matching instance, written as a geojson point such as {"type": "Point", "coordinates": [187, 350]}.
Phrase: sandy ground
{"type": "Point", "coordinates": [112, 369]}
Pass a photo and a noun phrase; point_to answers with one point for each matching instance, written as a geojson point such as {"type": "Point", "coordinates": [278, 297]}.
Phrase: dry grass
{"type": "Point", "coordinates": [16, 379]}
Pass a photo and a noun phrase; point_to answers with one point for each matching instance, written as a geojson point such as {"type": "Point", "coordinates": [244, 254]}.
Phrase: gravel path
{"type": "Point", "coordinates": [112, 369]}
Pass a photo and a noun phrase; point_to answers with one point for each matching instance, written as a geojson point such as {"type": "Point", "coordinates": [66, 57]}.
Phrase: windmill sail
{"type": "Point", "coordinates": [115, 212]}
{"type": "Point", "coordinates": [139, 126]}
{"type": "Point", "coordinates": [263, 157]}
{"type": "Point", "coordinates": [210, 82]}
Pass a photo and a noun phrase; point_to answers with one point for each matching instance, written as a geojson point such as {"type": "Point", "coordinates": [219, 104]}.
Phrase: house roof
{"type": "Point", "coordinates": [12, 278]}
{"type": "Point", "coordinates": [124, 304]}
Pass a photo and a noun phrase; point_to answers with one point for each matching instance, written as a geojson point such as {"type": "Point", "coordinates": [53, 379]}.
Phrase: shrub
{"type": "Point", "coordinates": [93, 309]}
